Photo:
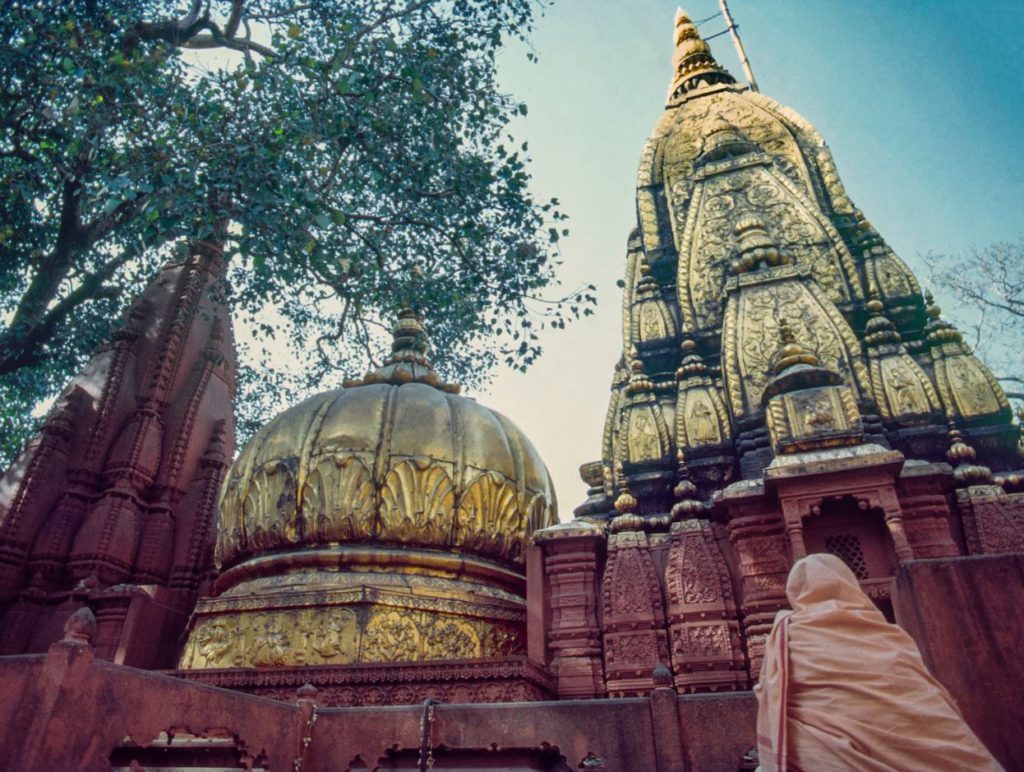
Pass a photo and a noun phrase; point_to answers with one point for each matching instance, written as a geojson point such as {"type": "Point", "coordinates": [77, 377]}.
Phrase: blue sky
{"type": "Point", "coordinates": [922, 104]}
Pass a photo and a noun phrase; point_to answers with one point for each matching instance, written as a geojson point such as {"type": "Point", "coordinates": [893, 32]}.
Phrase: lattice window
{"type": "Point", "coordinates": [846, 547]}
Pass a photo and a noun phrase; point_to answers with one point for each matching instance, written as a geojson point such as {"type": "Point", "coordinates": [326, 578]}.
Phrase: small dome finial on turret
{"type": "Point", "coordinates": [879, 329]}
{"type": "Point", "coordinates": [692, 63]}
{"type": "Point", "coordinates": [937, 330]}
{"type": "Point", "coordinates": [757, 249]}
{"type": "Point", "coordinates": [792, 353]}
{"type": "Point", "coordinates": [627, 518]}
{"type": "Point", "coordinates": [962, 456]}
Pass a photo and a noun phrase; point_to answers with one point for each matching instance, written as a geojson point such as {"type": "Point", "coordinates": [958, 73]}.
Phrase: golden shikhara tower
{"type": "Point", "coordinates": [750, 260]}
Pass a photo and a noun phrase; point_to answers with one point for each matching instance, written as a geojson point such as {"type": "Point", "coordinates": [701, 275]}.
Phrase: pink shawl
{"type": "Point", "coordinates": [842, 689]}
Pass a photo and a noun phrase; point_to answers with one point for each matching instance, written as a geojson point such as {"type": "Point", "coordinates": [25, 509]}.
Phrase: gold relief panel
{"type": "Point", "coordinates": [801, 232]}
{"type": "Point", "coordinates": [417, 503]}
{"type": "Point", "coordinates": [391, 636]}
{"type": "Point", "coordinates": [488, 509]}
{"type": "Point", "coordinates": [447, 639]}
{"type": "Point", "coordinates": [631, 279]}
{"type": "Point", "coordinates": [890, 274]}
{"type": "Point", "coordinates": [652, 323]}
{"type": "Point", "coordinates": [335, 635]}
{"type": "Point", "coordinates": [612, 422]}
{"type": "Point", "coordinates": [679, 136]}
{"type": "Point", "coordinates": [229, 520]}
{"type": "Point", "coordinates": [644, 440]}
{"type": "Point", "coordinates": [538, 517]}
{"type": "Point", "coordinates": [647, 211]}
{"type": "Point", "coordinates": [338, 499]}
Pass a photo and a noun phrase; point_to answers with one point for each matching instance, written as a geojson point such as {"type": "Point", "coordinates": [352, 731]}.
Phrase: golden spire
{"type": "Point", "coordinates": [692, 61]}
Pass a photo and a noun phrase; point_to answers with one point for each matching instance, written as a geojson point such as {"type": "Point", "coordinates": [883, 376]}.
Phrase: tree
{"type": "Point", "coordinates": [352, 156]}
{"type": "Point", "coordinates": [987, 285]}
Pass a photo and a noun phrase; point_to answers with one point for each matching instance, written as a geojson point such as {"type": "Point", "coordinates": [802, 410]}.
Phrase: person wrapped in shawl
{"type": "Point", "coordinates": [842, 689]}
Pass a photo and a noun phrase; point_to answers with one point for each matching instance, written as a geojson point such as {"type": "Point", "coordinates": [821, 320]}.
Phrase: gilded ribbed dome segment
{"type": "Point", "coordinates": [395, 458]}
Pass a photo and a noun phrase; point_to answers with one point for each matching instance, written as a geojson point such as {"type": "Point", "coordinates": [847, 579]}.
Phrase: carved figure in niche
{"type": "Point", "coordinates": [272, 644]}
{"type": "Point", "coordinates": [643, 437]}
{"type": "Point", "coordinates": [214, 642]}
{"type": "Point", "coordinates": [651, 325]}
{"type": "Point", "coordinates": [701, 425]}
{"type": "Point", "coordinates": [333, 637]}
{"type": "Point", "coordinates": [821, 417]}
{"type": "Point", "coordinates": [972, 392]}
{"type": "Point", "coordinates": [905, 390]}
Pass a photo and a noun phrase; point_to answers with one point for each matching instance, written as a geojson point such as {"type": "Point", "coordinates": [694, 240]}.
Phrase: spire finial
{"type": "Point", "coordinates": [692, 64]}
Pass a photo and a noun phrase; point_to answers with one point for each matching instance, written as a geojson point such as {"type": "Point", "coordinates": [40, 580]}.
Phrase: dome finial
{"type": "Point", "coordinates": [692, 64]}
{"type": "Point", "coordinates": [408, 362]}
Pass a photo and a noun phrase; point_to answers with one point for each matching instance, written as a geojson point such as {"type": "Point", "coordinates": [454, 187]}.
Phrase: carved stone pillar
{"type": "Point", "coordinates": [572, 555]}
{"type": "Point", "coordinates": [928, 520]}
{"type": "Point", "coordinates": [634, 616]}
{"type": "Point", "coordinates": [794, 529]}
{"type": "Point", "coordinates": [707, 654]}
{"type": "Point", "coordinates": [758, 536]}
{"type": "Point", "coordinates": [894, 521]}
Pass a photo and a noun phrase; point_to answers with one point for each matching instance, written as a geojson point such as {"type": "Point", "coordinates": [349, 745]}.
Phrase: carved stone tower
{"type": "Point", "coordinates": [113, 504]}
{"type": "Point", "coordinates": [784, 388]}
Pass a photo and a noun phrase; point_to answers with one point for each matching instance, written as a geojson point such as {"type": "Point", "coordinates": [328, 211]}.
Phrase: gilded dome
{"type": "Point", "coordinates": [397, 458]}
{"type": "Point", "coordinates": [384, 521]}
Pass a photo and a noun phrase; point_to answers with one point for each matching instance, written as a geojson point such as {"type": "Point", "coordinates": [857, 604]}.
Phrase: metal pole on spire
{"type": "Point", "coordinates": [734, 33]}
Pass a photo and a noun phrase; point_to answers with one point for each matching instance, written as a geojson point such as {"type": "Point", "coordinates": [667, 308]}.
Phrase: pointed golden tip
{"type": "Point", "coordinates": [685, 29]}
{"type": "Point", "coordinates": [692, 63]}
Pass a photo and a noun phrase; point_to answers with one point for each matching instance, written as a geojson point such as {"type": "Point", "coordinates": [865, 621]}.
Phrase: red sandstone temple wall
{"type": "Point", "coordinates": [965, 614]}
{"type": "Point", "coordinates": [69, 710]}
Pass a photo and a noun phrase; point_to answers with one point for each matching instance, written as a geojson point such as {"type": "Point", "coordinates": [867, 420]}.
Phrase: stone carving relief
{"type": "Point", "coordinates": [902, 390]}
{"type": "Point", "coordinates": [702, 618]}
{"type": "Point", "coordinates": [965, 384]}
{"type": "Point", "coordinates": [634, 615]}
